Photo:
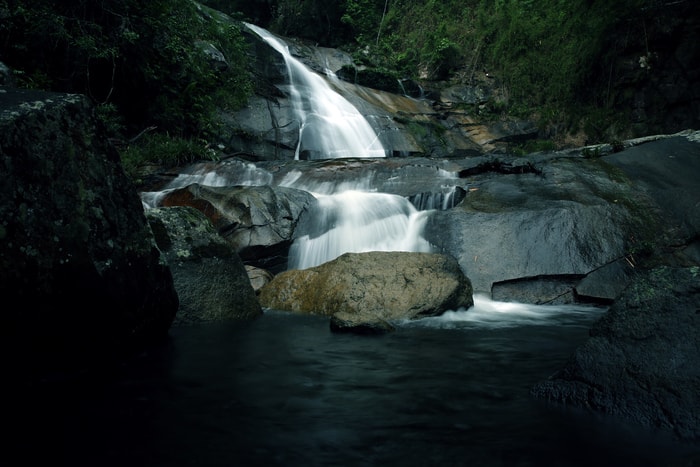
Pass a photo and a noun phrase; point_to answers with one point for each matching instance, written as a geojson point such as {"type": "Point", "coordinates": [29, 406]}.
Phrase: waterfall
{"type": "Point", "coordinates": [330, 126]}
{"type": "Point", "coordinates": [347, 218]}
{"type": "Point", "coordinates": [356, 222]}
{"type": "Point", "coordinates": [350, 216]}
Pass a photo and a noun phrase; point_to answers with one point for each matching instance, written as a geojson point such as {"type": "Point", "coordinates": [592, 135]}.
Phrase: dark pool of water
{"type": "Point", "coordinates": [284, 390]}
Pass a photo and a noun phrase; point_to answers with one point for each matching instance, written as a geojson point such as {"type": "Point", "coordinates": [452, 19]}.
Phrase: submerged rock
{"type": "Point", "coordinates": [373, 287]}
{"type": "Point", "coordinates": [347, 322]}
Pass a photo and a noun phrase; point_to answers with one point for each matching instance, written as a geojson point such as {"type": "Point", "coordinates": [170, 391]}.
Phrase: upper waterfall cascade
{"type": "Point", "coordinates": [330, 127]}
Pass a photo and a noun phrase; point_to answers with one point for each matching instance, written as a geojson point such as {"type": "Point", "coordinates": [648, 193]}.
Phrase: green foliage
{"type": "Point", "coordinates": [138, 57]}
{"type": "Point", "coordinates": [377, 78]}
{"type": "Point", "coordinates": [364, 17]}
{"type": "Point", "coordinates": [164, 151]}
{"type": "Point", "coordinates": [601, 123]}
{"type": "Point", "coordinates": [316, 20]}
{"type": "Point", "coordinates": [542, 50]}
{"type": "Point", "coordinates": [427, 40]}
{"type": "Point", "coordinates": [253, 11]}
{"type": "Point", "coordinates": [535, 145]}
{"type": "Point", "coordinates": [591, 153]}
{"type": "Point", "coordinates": [113, 122]}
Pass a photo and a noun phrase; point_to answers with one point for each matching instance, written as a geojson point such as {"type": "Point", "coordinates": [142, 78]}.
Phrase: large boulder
{"type": "Point", "coordinates": [209, 276]}
{"type": "Point", "coordinates": [579, 225]}
{"type": "Point", "coordinates": [258, 221]}
{"type": "Point", "coordinates": [666, 169]}
{"type": "Point", "coordinates": [373, 287]}
{"type": "Point", "coordinates": [79, 271]}
{"type": "Point", "coordinates": [571, 218]}
{"type": "Point", "coordinates": [642, 361]}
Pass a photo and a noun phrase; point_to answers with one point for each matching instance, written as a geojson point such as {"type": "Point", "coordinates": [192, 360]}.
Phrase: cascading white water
{"type": "Point", "coordinates": [228, 173]}
{"type": "Point", "coordinates": [329, 125]}
{"type": "Point", "coordinates": [350, 216]}
{"type": "Point", "coordinates": [356, 222]}
{"type": "Point", "coordinates": [346, 219]}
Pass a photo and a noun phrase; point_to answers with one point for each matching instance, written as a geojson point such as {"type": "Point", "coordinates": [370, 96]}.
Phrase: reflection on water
{"type": "Point", "coordinates": [284, 390]}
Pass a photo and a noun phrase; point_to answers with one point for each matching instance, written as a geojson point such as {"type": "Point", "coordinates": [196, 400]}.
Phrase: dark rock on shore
{"type": "Point", "coordinates": [77, 257]}
{"type": "Point", "coordinates": [642, 361]}
{"type": "Point", "coordinates": [209, 276]}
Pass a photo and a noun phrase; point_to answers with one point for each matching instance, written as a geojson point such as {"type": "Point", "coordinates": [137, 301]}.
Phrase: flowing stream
{"type": "Point", "coordinates": [283, 390]}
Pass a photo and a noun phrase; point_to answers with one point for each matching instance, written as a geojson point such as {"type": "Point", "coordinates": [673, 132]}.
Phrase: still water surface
{"type": "Point", "coordinates": [284, 390]}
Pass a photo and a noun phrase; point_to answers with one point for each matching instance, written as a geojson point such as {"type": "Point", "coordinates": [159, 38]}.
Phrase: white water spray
{"type": "Point", "coordinates": [488, 313]}
{"type": "Point", "coordinates": [350, 216]}
{"type": "Point", "coordinates": [229, 173]}
{"type": "Point", "coordinates": [356, 222]}
{"type": "Point", "coordinates": [330, 127]}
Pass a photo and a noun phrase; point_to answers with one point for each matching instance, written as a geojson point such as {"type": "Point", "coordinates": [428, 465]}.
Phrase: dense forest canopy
{"type": "Point", "coordinates": [137, 61]}
{"type": "Point", "coordinates": [545, 50]}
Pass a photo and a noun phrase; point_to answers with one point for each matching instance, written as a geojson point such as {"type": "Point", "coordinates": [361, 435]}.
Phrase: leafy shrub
{"type": "Point", "coordinates": [139, 57]}
{"type": "Point", "coordinates": [535, 145]}
{"type": "Point", "coordinates": [157, 149]}
{"type": "Point", "coordinates": [617, 145]}
{"type": "Point", "coordinates": [377, 78]}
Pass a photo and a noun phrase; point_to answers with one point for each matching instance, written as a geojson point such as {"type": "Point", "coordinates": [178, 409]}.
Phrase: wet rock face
{"type": "Point", "coordinates": [258, 222]}
{"type": "Point", "coordinates": [76, 253]}
{"type": "Point", "coordinates": [588, 222]}
{"type": "Point", "coordinates": [268, 128]}
{"type": "Point", "coordinates": [556, 224]}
